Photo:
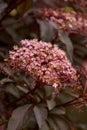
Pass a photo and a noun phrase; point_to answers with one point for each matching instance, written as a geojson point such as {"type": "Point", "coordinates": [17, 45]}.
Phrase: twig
{"type": "Point", "coordinates": [10, 24]}
{"type": "Point", "coordinates": [25, 95]}
{"type": "Point", "coordinates": [71, 102]}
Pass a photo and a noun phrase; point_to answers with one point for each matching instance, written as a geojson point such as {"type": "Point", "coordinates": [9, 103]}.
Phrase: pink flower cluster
{"type": "Point", "coordinates": [67, 19]}
{"type": "Point", "coordinates": [44, 62]}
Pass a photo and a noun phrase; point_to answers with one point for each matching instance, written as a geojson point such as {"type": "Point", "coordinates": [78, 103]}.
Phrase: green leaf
{"type": "Point", "coordinates": [18, 117]}
{"type": "Point", "coordinates": [40, 114]}
{"type": "Point", "coordinates": [24, 6]}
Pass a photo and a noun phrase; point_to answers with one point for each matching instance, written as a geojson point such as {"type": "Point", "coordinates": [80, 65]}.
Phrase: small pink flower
{"type": "Point", "coordinates": [43, 61]}
{"type": "Point", "coordinates": [67, 20]}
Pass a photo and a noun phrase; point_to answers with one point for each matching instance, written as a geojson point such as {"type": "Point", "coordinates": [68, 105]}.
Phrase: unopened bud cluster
{"type": "Point", "coordinates": [44, 62]}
